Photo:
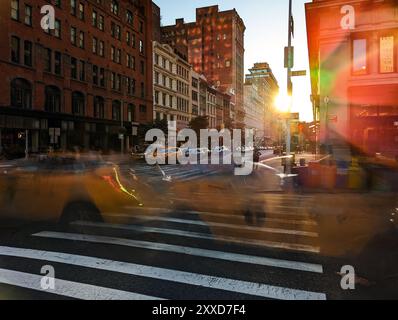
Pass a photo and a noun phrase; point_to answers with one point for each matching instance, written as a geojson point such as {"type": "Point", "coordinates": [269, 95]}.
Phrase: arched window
{"type": "Point", "coordinates": [21, 94]}
{"type": "Point", "coordinates": [78, 103]}
{"type": "Point", "coordinates": [131, 113]}
{"type": "Point", "coordinates": [53, 99]}
{"type": "Point", "coordinates": [99, 107]}
{"type": "Point", "coordinates": [116, 110]}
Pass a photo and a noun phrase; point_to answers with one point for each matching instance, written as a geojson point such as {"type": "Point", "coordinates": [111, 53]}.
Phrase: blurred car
{"type": "Point", "coordinates": [221, 149]}
{"type": "Point", "coordinates": [66, 189]}
{"type": "Point", "coordinates": [196, 151]}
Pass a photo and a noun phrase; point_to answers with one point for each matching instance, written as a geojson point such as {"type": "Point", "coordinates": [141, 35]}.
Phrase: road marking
{"type": "Point", "coordinates": [225, 225]}
{"type": "Point", "coordinates": [235, 214]}
{"type": "Point", "coordinates": [66, 288]}
{"type": "Point", "coordinates": [211, 214]}
{"type": "Point", "coordinates": [195, 279]}
{"type": "Point", "coordinates": [197, 235]}
{"type": "Point", "coordinates": [221, 255]}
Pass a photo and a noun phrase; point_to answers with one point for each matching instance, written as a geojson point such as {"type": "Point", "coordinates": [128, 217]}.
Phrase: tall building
{"type": "Point", "coordinates": [261, 83]}
{"type": "Point", "coordinates": [354, 74]}
{"type": "Point", "coordinates": [82, 84]}
{"type": "Point", "coordinates": [214, 45]}
{"type": "Point", "coordinates": [254, 110]}
{"type": "Point", "coordinates": [172, 86]}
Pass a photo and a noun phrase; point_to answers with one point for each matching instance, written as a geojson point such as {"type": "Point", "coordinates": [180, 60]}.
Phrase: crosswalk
{"type": "Point", "coordinates": [155, 253]}
{"type": "Point", "coordinates": [175, 172]}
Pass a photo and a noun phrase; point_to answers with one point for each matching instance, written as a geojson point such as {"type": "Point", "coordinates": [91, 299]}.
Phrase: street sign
{"type": "Point", "coordinates": [299, 73]}
{"type": "Point", "coordinates": [290, 116]}
{"type": "Point", "coordinates": [289, 57]}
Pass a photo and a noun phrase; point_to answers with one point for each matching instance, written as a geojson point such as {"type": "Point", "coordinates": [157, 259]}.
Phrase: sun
{"type": "Point", "coordinates": [283, 102]}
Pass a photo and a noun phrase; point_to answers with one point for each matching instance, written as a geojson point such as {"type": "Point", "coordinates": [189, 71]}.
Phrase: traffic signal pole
{"type": "Point", "coordinates": [289, 89]}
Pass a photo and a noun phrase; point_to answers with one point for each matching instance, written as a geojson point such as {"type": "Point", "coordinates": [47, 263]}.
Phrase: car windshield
{"type": "Point", "coordinates": [234, 151]}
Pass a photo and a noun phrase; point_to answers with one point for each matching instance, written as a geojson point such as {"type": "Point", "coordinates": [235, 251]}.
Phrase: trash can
{"type": "Point", "coordinates": [313, 175]}
{"type": "Point", "coordinates": [328, 176]}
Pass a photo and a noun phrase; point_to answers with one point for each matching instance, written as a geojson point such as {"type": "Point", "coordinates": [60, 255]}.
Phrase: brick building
{"type": "Point", "coordinates": [81, 84]}
{"type": "Point", "coordinates": [353, 53]}
{"type": "Point", "coordinates": [214, 45]}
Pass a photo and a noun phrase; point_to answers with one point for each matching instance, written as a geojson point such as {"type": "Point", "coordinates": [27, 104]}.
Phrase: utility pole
{"type": "Point", "coordinates": [289, 86]}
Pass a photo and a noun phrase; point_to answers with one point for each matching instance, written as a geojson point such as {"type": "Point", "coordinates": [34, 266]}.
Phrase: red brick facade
{"type": "Point", "coordinates": [84, 69]}
{"type": "Point", "coordinates": [214, 45]}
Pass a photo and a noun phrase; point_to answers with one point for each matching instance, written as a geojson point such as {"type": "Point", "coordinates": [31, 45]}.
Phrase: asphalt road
{"type": "Point", "coordinates": [219, 240]}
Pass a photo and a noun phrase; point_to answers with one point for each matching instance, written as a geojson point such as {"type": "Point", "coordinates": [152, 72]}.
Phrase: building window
{"type": "Point", "coordinates": [141, 26]}
{"type": "Point", "coordinates": [142, 108]}
{"type": "Point", "coordinates": [28, 53]}
{"type": "Point", "coordinates": [15, 49]}
{"type": "Point", "coordinates": [359, 56]}
{"type": "Point", "coordinates": [141, 47]}
{"type": "Point", "coordinates": [99, 107]}
{"type": "Point", "coordinates": [73, 7]}
{"type": "Point", "coordinates": [73, 68]}
{"type": "Point", "coordinates": [58, 3]}
{"type": "Point", "coordinates": [81, 11]}
{"type": "Point", "coordinates": [21, 94]}
{"type": "Point", "coordinates": [47, 60]}
{"type": "Point", "coordinates": [78, 103]}
{"type": "Point", "coordinates": [101, 23]}
{"type": "Point", "coordinates": [116, 110]}
{"type": "Point", "coordinates": [129, 17]}
{"type": "Point", "coordinates": [73, 35]}
{"type": "Point", "coordinates": [28, 15]}
{"type": "Point", "coordinates": [131, 113]}
{"type": "Point", "coordinates": [81, 40]}
{"type": "Point", "coordinates": [53, 99]}
{"type": "Point", "coordinates": [387, 54]}
{"type": "Point", "coordinates": [95, 45]}
{"type": "Point", "coordinates": [101, 49]}
{"type": "Point", "coordinates": [15, 9]}
{"type": "Point", "coordinates": [82, 71]}
{"type": "Point", "coordinates": [102, 77]}
{"type": "Point", "coordinates": [128, 38]}
{"type": "Point", "coordinates": [95, 18]}
{"type": "Point", "coordinates": [57, 30]}
{"type": "Point", "coordinates": [95, 75]}
{"type": "Point", "coordinates": [142, 67]}
{"type": "Point", "coordinates": [115, 7]}
{"type": "Point", "coordinates": [58, 63]}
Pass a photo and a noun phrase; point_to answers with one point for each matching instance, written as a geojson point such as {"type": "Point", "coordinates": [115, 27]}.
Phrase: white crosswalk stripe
{"type": "Point", "coordinates": [228, 256]}
{"type": "Point", "coordinates": [225, 225]}
{"type": "Point", "coordinates": [188, 278]}
{"type": "Point", "coordinates": [64, 288]}
{"type": "Point", "coordinates": [204, 236]}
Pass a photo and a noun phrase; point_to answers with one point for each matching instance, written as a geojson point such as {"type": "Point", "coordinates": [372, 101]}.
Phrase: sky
{"type": "Point", "coordinates": [265, 37]}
